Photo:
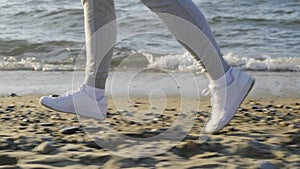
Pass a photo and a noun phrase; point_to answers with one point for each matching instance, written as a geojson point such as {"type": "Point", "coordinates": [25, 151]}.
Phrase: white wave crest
{"type": "Point", "coordinates": [186, 62]}
{"type": "Point", "coordinates": [264, 63]}
{"type": "Point", "coordinates": [182, 63]}
{"type": "Point", "coordinates": [32, 63]}
{"type": "Point", "coordinates": [175, 63]}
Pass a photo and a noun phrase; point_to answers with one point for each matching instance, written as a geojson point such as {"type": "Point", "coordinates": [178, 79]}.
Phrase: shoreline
{"type": "Point", "coordinates": [22, 83]}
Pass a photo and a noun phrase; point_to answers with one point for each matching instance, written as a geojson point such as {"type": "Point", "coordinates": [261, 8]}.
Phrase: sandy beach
{"type": "Point", "coordinates": [158, 97]}
{"type": "Point", "coordinates": [265, 133]}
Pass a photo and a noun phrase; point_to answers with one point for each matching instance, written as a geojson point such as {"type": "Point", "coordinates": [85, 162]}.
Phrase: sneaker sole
{"type": "Point", "coordinates": [52, 108]}
{"type": "Point", "coordinates": [74, 113]}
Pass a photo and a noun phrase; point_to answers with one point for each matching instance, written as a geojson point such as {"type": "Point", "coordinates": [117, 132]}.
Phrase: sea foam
{"type": "Point", "coordinates": [175, 63]}
{"type": "Point", "coordinates": [186, 62]}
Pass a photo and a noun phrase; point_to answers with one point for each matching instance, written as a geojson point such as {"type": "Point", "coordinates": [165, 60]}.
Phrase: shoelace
{"type": "Point", "coordinates": [71, 92]}
{"type": "Point", "coordinates": [206, 91]}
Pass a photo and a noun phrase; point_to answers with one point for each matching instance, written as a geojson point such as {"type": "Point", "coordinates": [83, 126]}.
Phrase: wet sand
{"type": "Point", "coordinates": [265, 133]}
{"type": "Point", "coordinates": [267, 85]}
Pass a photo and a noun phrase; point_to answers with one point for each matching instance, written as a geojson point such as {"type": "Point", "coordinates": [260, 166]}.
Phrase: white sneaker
{"type": "Point", "coordinates": [225, 100]}
{"type": "Point", "coordinates": [78, 102]}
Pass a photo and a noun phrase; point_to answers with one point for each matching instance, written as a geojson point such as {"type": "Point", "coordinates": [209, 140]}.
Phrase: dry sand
{"type": "Point", "coordinates": [265, 133]}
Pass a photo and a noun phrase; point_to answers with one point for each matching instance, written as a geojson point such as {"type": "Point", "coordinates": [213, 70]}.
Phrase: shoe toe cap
{"type": "Point", "coordinates": [210, 128]}
{"type": "Point", "coordinates": [45, 99]}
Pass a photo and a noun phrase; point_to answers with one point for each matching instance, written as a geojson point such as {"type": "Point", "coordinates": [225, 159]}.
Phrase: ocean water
{"type": "Point", "coordinates": [48, 35]}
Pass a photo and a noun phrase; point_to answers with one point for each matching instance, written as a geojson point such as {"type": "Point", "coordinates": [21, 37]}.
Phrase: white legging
{"type": "Point", "coordinates": [178, 15]}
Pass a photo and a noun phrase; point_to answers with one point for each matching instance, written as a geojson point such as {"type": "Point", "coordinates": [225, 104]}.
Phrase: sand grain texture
{"type": "Point", "coordinates": [265, 133]}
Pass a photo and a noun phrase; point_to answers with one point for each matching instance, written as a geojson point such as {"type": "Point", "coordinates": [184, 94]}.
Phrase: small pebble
{"type": "Point", "coordinates": [7, 160]}
{"type": "Point", "coordinates": [46, 138]}
{"type": "Point", "coordinates": [283, 124]}
{"type": "Point", "coordinates": [255, 107]}
{"type": "Point", "coordinates": [154, 130]}
{"type": "Point", "coordinates": [13, 95]}
{"type": "Point", "coordinates": [11, 107]}
{"type": "Point", "coordinates": [46, 124]}
{"type": "Point", "coordinates": [44, 148]}
{"type": "Point", "coordinates": [131, 122]}
{"type": "Point", "coordinates": [265, 165]}
{"type": "Point", "coordinates": [6, 118]}
{"type": "Point", "coordinates": [155, 120]}
{"type": "Point", "coordinates": [25, 120]}
{"type": "Point", "coordinates": [293, 126]}
{"type": "Point", "coordinates": [70, 130]}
